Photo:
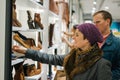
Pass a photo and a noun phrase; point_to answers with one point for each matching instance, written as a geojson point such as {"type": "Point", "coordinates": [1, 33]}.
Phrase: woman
{"type": "Point", "coordinates": [84, 62]}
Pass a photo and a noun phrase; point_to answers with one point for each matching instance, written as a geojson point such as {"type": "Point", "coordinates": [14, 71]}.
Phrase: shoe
{"type": "Point", "coordinates": [36, 71]}
{"type": "Point", "coordinates": [51, 29]}
{"type": "Point", "coordinates": [30, 71]}
{"type": "Point", "coordinates": [15, 21]}
{"type": "Point", "coordinates": [19, 40]}
{"type": "Point", "coordinates": [37, 21]}
{"type": "Point", "coordinates": [19, 73]}
{"type": "Point", "coordinates": [30, 21]}
{"type": "Point", "coordinates": [53, 7]}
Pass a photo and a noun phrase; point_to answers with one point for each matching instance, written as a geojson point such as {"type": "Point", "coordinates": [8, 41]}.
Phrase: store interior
{"type": "Point", "coordinates": [39, 25]}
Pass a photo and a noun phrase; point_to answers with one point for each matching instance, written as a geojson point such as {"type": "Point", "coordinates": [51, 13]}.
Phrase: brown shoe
{"type": "Point", "coordinates": [37, 21]}
{"type": "Point", "coordinates": [53, 7]}
{"type": "Point", "coordinates": [36, 71]}
{"type": "Point", "coordinates": [15, 21]}
{"type": "Point", "coordinates": [19, 72]}
{"type": "Point", "coordinates": [30, 71]}
{"type": "Point", "coordinates": [20, 40]}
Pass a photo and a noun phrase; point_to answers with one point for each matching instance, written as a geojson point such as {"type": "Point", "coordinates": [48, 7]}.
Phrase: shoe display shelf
{"type": "Point", "coordinates": [35, 77]}
{"type": "Point", "coordinates": [21, 9]}
{"type": "Point", "coordinates": [34, 6]}
{"type": "Point", "coordinates": [56, 45]}
{"type": "Point", "coordinates": [16, 61]}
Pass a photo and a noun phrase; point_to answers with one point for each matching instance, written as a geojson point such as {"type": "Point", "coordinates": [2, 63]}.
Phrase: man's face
{"type": "Point", "coordinates": [100, 23]}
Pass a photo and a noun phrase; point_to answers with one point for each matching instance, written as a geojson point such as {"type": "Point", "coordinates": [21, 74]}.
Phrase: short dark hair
{"type": "Point", "coordinates": [75, 26]}
{"type": "Point", "coordinates": [105, 14]}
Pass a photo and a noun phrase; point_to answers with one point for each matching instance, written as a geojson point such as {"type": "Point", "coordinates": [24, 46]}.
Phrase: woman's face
{"type": "Point", "coordinates": [79, 41]}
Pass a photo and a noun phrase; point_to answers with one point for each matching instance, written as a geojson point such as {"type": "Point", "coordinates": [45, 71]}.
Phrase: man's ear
{"type": "Point", "coordinates": [108, 21]}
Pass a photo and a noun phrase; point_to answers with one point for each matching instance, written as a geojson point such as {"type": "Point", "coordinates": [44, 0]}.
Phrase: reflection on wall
{"type": "Point", "coordinates": [115, 27]}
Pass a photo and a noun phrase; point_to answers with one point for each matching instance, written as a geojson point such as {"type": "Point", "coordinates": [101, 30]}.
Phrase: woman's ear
{"type": "Point", "coordinates": [87, 41]}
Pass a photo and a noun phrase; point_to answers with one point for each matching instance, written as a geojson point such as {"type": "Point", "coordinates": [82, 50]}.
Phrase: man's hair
{"type": "Point", "coordinates": [105, 14]}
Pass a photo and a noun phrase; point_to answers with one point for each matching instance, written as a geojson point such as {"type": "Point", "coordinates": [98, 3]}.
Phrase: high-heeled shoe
{"type": "Point", "coordinates": [37, 21]}
{"type": "Point", "coordinates": [30, 21]}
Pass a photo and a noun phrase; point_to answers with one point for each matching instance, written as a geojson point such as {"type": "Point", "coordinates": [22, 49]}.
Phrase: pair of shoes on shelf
{"type": "Point", "coordinates": [31, 70]}
{"type": "Point", "coordinates": [36, 21]}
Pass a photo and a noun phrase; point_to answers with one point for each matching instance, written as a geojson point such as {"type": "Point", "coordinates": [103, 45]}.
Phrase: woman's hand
{"type": "Point", "coordinates": [19, 49]}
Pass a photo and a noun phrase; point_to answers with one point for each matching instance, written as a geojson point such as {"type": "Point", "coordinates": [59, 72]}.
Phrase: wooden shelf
{"type": "Point", "coordinates": [53, 15]}
{"type": "Point", "coordinates": [28, 4]}
{"type": "Point", "coordinates": [16, 61]}
{"type": "Point", "coordinates": [26, 29]}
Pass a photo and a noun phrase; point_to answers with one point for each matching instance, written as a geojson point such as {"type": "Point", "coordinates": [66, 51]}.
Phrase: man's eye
{"type": "Point", "coordinates": [97, 22]}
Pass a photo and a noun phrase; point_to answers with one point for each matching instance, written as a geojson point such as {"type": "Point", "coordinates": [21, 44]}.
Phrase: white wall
{"type": "Point", "coordinates": [2, 37]}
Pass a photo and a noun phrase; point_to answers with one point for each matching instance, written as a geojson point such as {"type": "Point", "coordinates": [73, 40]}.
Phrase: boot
{"type": "Point", "coordinates": [51, 29]}
{"type": "Point", "coordinates": [36, 71]}
{"type": "Point", "coordinates": [19, 72]}
{"type": "Point", "coordinates": [30, 21]}
{"type": "Point", "coordinates": [53, 6]}
{"type": "Point", "coordinates": [15, 22]}
{"type": "Point", "coordinates": [65, 15]}
{"type": "Point", "coordinates": [37, 21]}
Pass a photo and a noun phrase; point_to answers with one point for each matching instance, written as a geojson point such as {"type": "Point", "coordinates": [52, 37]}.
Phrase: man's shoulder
{"type": "Point", "coordinates": [114, 38]}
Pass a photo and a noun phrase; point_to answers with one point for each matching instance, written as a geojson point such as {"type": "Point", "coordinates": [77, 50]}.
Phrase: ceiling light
{"type": "Point", "coordinates": [94, 8]}
{"type": "Point", "coordinates": [106, 8]}
{"type": "Point", "coordinates": [94, 2]}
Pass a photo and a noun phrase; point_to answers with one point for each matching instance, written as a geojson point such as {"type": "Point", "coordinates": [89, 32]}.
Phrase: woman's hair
{"type": "Point", "coordinates": [75, 26]}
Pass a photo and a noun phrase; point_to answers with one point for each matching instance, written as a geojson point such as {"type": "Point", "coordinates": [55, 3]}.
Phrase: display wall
{"type": "Point", "coordinates": [2, 35]}
{"type": "Point", "coordinates": [5, 41]}
{"type": "Point", "coordinates": [115, 26]}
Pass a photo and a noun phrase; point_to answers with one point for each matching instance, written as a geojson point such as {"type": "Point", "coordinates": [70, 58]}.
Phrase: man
{"type": "Point", "coordinates": [111, 44]}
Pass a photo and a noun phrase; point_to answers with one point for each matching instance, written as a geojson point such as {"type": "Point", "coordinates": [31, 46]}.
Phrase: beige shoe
{"type": "Point", "coordinates": [17, 38]}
